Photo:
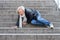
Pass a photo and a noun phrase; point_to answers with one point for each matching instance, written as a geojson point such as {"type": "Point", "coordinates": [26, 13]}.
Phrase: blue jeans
{"type": "Point", "coordinates": [40, 21]}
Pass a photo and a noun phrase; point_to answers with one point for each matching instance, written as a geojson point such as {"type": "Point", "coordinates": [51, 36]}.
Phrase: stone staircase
{"type": "Point", "coordinates": [29, 37]}
{"type": "Point", "coordinates": [8, 15]}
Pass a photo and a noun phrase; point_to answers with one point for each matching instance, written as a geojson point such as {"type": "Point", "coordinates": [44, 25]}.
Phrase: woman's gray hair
{"type": "Point", "coordinates": [21, 7]}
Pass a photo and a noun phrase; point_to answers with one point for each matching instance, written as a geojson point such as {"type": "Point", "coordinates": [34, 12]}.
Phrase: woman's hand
{"type": "Point", "coordinates": [24, 23]}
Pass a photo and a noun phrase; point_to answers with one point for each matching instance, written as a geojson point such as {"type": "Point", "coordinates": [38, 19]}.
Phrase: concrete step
{"type": "Point", "coordinates": [8, 15]}
{"type": "Point", "coordinates": [11, 30]}
{"type": "Point", "coordinates": [29, 37]}
{"type": "Point", "coordinates": [29, 3]}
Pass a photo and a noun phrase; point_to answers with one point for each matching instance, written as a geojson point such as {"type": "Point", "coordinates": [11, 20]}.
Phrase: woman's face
{"type": "Point", "coordinates": [21, 12]}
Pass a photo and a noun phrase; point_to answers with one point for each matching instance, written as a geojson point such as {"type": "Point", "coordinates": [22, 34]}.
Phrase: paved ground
{"type": "Point", "coordinates": [47, 8]}
{"type": "Point", "coordinates": [8, 18]}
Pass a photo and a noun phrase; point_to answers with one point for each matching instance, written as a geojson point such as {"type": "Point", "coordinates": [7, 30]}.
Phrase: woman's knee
{"type": "Point", "coordinates": [33, 22]}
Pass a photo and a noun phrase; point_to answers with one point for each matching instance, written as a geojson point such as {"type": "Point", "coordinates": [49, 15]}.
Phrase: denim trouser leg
{"type": "Point", "coordinates": [44, 21]}
{"type": "Point", "coordinates": [35, 22]}
{"type": "Point", "coordinates": [40, 20]}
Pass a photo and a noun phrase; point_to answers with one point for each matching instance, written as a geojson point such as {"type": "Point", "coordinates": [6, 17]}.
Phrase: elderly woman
{"type": "Point", "coordinates": [32, 16]}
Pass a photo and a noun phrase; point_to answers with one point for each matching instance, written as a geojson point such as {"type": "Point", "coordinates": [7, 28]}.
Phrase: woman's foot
{"type": "Point", "coordinates": [51, 26]}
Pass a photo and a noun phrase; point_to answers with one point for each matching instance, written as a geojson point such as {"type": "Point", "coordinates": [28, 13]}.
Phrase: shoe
{"type": "Point", "coordinates": [51, 26]}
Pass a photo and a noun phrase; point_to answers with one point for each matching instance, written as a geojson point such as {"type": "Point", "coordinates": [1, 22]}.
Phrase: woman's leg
{"type": "Point", "coordinates": [46, 22]}
{"type": "Point", "coordinates": [35, 22]}
{"type": "Point", "coordinates": [42, 20]}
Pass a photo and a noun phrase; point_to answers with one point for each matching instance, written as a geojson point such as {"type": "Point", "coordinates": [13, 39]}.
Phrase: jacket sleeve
{"type": "Point", "coordinates": [30, 14]}
{"type": "Point", "coordinates": [17, 23]}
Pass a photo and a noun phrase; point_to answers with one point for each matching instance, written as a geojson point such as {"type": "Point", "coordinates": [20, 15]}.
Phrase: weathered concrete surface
{"type": "Point", "coordinates": [8, 18]}
{"type": "Point", "coordinates": [29, 31]}
{"type": "Point", "coordinates": [29, 37]}
{"type": "Point", "coordinates": [47, 8]}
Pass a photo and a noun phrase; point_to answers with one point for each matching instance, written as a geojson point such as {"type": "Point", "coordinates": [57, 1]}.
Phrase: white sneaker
{"type": "Point", "coordinates": [51, 26]}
